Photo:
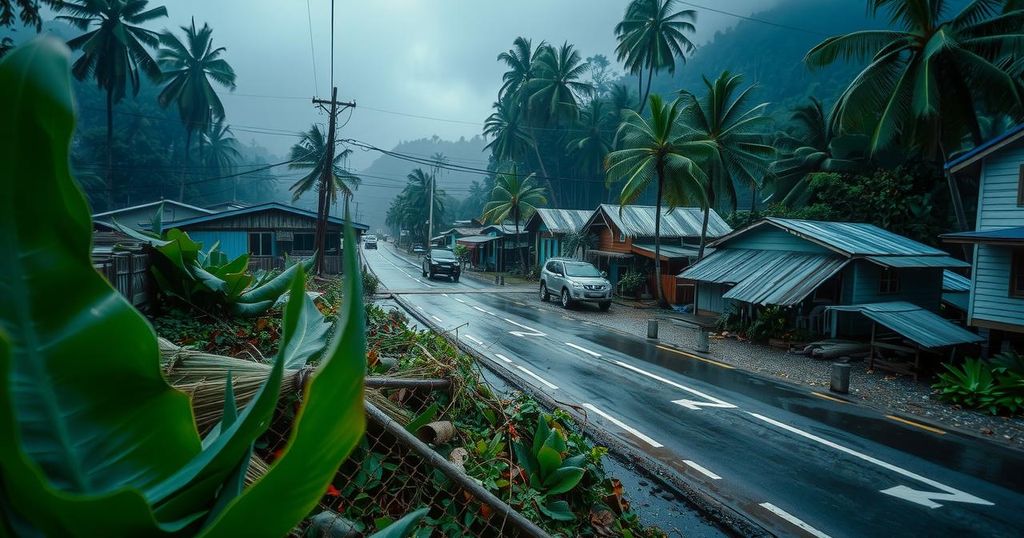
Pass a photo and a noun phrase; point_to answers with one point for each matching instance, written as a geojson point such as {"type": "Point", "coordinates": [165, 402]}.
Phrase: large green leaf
{"type": "Point", "coordinates": [258, 299]}
{"type": "Point", "coordinates": [327, 428]}
{"type": "Point", "coordinates": [305, 327]}
{"type": "Point", "coordinates": [87, 416]}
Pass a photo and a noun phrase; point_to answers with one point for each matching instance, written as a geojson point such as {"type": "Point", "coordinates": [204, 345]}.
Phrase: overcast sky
{"type": "Point", "coordinates": [432, 58]}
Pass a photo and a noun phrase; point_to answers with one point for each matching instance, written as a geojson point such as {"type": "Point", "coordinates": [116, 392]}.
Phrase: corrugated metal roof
{"type": "Point", "coordinates": [918, 261]}
{"type": "Point", "coordinates": [985, 148]}
{"type": "Point", "coordinates": [507, 227]}
{"type": "Point", "coordinates": [670, 252]}
{"type": "Point", "coordinates": [916, 324]}
{"type": "Point", "coordinates": [638, 221]}
{"type": "Point", "coordinates": [476, 239]}
{"type": "Point", "coordinates": [955, 282]}
{"type": "Point", "coordinates": [766, 276]}
{"type": "Point", "coordinates": [256, 209]}
{"type": "Point", "coordinates": [116, 212]}
{"type": "Point", "coordinates": [999, 235]}
{"type": "Point", "coordinates": [561, 221]}
{"type": "Point", "coordinates": [854, 238]}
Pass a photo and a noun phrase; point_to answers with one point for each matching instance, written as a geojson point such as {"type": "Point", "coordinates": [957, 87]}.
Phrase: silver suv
{"type": "Point", "coordinates": [574, 281]}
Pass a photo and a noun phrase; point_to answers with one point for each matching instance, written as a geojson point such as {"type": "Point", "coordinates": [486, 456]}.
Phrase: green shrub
{"type": "Point", "coordinates": [370, 282]}
{"type": "Point", "coordinates": [631, 281]}
{"type": "Point", "coordinates": [995, 386]}
{"type": "Point", "coordinates": [769, 323]}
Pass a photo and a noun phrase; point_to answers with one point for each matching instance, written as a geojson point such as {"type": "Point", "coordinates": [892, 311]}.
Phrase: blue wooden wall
{"type": "Point", "coordinates": [232, 243]}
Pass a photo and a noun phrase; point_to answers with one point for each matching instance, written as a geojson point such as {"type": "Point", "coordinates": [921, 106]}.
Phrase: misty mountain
{"type": "Point", "coordinates": [385, 177]}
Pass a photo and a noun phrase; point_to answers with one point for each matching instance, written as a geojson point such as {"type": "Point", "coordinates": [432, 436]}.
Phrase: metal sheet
{"type": "Point", "coordinates": [921, 326]}
{"type": "Point", "coordinates": [918, 261]}
{"type": "Point", "coordinates": [671, 252]}
{"type": "Point", "coordinates": [766, 276]}
{"type": "Point", "coordinates": [564, 220]}
{"type": "Point", "coordinates": [955, 282]}
{"type": "Point", "coordinates": [477, 239]}
{"type": "Point", "coordinates": [638, 221]}
{"type": "Point", "coordinates": [856, 238]}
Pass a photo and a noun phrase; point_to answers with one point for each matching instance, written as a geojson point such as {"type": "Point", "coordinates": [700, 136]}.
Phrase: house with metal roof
{"type": "Point", "coordinates": [811, 267]}
{"type": "Point", "coordinates": [996, 296]}
{"type": "Point", "coordinates": [493, 248]}
{"type": "Point", "coordinates": [267, 233]}
{"type": "Point", "coordinates": [548, 227]}
{"type": "Point", "coordinates": [624, 239]}
{"type": "Point", "coordinates": [139, 216]}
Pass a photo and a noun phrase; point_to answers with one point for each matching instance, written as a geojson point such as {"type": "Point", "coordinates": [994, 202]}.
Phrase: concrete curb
{"type": "Point", "coordinates": [730, 520]}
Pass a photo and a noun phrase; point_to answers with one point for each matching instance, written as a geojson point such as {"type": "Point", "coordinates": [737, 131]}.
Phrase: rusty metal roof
{"type": "Point", "coordinates": [921, 326]}
{"type": "Point", "coordinates": [638, 221]}
{"type": "Point", "coordinates": [563, 220]}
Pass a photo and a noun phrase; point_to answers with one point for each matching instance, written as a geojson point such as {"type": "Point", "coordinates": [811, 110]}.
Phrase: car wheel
{"type": "Point", "coordinates": [424, 272]}
{"type": "Point", "coordinates": [566, 300]}
{"type": "Point", "coordinates": [605, 306]}
{"type": "Point", "coordinates": [544, 294]}
{"type": "Point", "coordinates": [430, 275]}
{"type": "Point", "coordinates": [455, 279]}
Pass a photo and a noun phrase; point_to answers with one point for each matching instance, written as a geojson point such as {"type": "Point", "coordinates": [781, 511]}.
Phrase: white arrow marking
{"type": "Point", "coordinates": [528, 332]}
{"type": "Point", "coordinates": [689, 404]}
{"type": "Point", "coordinates": [924, 498]}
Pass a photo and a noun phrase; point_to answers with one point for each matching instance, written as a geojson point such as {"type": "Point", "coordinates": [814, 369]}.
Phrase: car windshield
{"type": "Point", "coordinates": [581, 269]}
{"type": "Point", "coordinates": [442, 254]}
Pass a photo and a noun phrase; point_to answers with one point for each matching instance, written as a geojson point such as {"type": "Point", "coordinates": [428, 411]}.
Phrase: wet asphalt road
{"type": "Point", "coordinates": [792, 460]}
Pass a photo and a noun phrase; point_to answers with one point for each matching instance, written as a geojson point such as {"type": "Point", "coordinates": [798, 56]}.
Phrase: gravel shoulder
{"type": "Point", "coordinates": [889, 393]}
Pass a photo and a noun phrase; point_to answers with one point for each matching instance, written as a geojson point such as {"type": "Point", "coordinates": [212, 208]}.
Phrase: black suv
{"type": "Point", "coordinates": [440, 261]}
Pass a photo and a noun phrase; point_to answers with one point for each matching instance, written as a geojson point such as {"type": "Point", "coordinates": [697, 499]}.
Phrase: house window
{"type": "Point", "coordinates": [1017, 273]}
{"type": "Point", "coordinates": [302, 241]}
{"type": "Point", "coordinates": [261, 244]}
{"type": "Point", "coordinates": [333, 243]}
{"type": "Point", "coordinates": [1020, 186]}
{"type": "Point", "coordinates": [889, 281]}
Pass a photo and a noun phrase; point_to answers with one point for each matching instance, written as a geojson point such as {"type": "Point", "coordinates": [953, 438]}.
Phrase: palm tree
{"type": "Point", "coordinates": [413, 209]}
{"type": "Point", "coordinates": [651, 37]}
{"type": "Point", "coordinates": [113, 53]}
{"type": "Point", "coordinates": [556, 88]}
{"type": "Point", "coordinates": [810, 145]}
{"type": "Point", "coordinates": [222, 152]}
{"type": "Point", "coordinates": [189, 67]}
{"type": "Point", "coordinates": [522, 61]}
{"type": "Point", "coordinates": [516, 197]}
{"type": "Point", "coordinates": [589, 148]}
{"type": "Point", "coordinates": [659, 150]}
{"type": "Point", "coordinates": [310, 153]}
{"type": "Point", "coordinates": [510, 137]}
{"type": "Point", "coordinates": [931, 78]}
{"type": "Point", "coordinates": [724, 118]}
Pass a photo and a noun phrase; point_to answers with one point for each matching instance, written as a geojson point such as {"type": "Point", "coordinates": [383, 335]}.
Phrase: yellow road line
{"type": "Point", "coordinates": [916, 424]}
{"type": "Point", "coordinates": [692, 356]}
{"type": "Point", "coordinates": [827, 397]}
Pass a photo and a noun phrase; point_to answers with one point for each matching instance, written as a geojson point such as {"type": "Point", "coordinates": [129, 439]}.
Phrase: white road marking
{"type": "Point", "coordinates": [437, 319]}
{"type": "Point", "coordinates": [924, 498]}
{"type": "Point", "coordinates": [528, 332]}
{"type": "Point", "coordinates": [583, 349]}
{"type": "Point", "coordinates": [701, 469]}
{"type": "Point", "coordinates": [474, 339]}
{"type": "Point", "coordinates": [445, 294]}
{"type": "Point", "coordinates": [537, 377]}
{"type": "Point", "coordinates": [502, 357]}
{"type": "Point", "coordinates": [419, 307]}
{"type": "Point", "coordinates": [624, 426]}
{"type": "Point", "coordinates": [460, 300]}
{"type": "Point", "coordinates": [689, 404]}
{"type": "Point", "coordinates": [794, 520]}
{"type": "Point", "coordinates": [480, 309]}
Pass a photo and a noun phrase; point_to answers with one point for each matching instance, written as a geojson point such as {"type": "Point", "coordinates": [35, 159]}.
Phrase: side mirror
{"type": "Point", "coordinates": [604, 274]}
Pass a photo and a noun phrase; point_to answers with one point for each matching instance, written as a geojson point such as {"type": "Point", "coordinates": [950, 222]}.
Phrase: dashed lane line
{"type": "Point", "coordinates": [689, 404]}
{"type": "Point", "coordinates": [827, 397]}
{"type": "Point", "coordinates": [437, 319]}
{"type": "Point", "coordinates": [697, 357]}
{"type": "Point", "coordinates": [504, 358]}
{"type": "Point", "coordinates": [537, 377]}
{"type": "Point", "coordinates": [624, 426]}
{"type": "Point", "coordinates": [794, 520]}
{"type": "Point", "coordinates": [583, 349]}
{"type": "Point", "coordinates": [474, 339]}
{"type": "Point", "coordinates": [908, 422]}
{"type": "Point", "coordinates": [701, 469]}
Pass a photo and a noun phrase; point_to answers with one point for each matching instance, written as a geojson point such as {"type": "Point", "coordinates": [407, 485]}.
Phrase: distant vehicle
{"type": "Point", "coordinates": [418, 248]}
{"type": "Point", "coordinates": [370, 242]}
{"type": "Point", "coordinates": [573, 281]}
{"type": "Point", "coordinates": [441, 261]}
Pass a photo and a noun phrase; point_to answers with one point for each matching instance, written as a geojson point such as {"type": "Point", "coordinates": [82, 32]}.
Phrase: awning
{"type": "Point", "coordinates": [955, 282]}
{"type": "Point", "coordinates": [609, 254]}
{"type": "Point", "coordinates": [921, 326]}
{"type": "Point", "coordinates": [1001, 236]}
{"type": "Point", "coordinates": [918, 261]}
{"type": "Point", "coordinates": [476, 239]}
{"type": "Point", "coordinates": [778, 277]}
{"type": "Point", "coordinates": [668, 252]}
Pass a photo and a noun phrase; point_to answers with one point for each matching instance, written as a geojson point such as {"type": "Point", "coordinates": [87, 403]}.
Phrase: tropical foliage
{"type": "Point", "coordinates": [410, 210]}
{"type": "Point", "coordinates": [310, 153]}
{"type": "Point", "coordinates": [652, 37]}
{"type": "Point", "coordinates": [515, 198]}
{"type": "Point", "coordinates": [995, 386]}
{"type": "Point", "coordinates": [663, 152]}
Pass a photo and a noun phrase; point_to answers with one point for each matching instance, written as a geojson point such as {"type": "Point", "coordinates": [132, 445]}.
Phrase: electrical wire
{"type": "Point", "coordinates": [752, 19]}
{"type": "Point", "coordinates": [312, 50]}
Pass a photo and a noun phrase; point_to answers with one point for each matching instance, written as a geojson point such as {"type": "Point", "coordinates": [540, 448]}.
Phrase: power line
{"type": "Point", "coordinates": [312, 50]}
{"type": "Point", "coordinates": [753, 19]}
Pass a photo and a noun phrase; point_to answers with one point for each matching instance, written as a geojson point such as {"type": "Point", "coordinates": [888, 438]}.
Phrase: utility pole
{"type": "Point", "coordinates": [326, 178]}
{"type": "Point", "coordinates": [430, 222]}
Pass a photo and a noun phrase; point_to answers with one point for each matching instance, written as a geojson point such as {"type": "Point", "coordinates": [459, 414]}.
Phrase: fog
{"type": "Point", "coordinates": [395, 58]}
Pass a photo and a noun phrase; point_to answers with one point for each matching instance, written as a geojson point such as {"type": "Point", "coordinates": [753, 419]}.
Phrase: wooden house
{"type": "Point", "coordinates": [493, 248]}
{"type": "Point", "coordinates": [140, 216]}
{"type": "Point", "coordinates": [996, 296]}
{"type": "Point", "coordinates": [625, 241]}
{"type": "Point", "coordinates": [548, 228]}
{"type": "Point", "coordinates": [267, 232]}
{"type": "Point", "coordinates": [830, 277]}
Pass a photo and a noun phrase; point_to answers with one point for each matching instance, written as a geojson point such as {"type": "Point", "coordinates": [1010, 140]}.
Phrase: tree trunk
{"type": "Point", "coordinates": [639, 91]}
{"type": "Point", "coordinates": [643, 101]}
{"type": "Point", "coordinates": [657, 237]}
{"type": "Point", "coordinates": [184, 171]}
{"type": "Point", "coordinates": [522, 262]}
{"type": "Point", "coordinates": [704, 233]}
{"type": "Point", "coordinates": [753, 198]}
{"type": "Point", "coordinates": [547, 179]}
{"type": "Point", "coordinates": [110, 151]}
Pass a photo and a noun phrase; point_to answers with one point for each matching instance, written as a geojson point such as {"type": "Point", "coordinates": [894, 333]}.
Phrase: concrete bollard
{"type": "Point", "coordinates": [495, 280]}
{"type": "Point", "coordinates": [702, 340]}
{"type": "Point", "coordinates": [840, 377]}
{"type": "Point", "coordinates": [501, 280]}
{"type": "Point", "coordinates": [652, 329]}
